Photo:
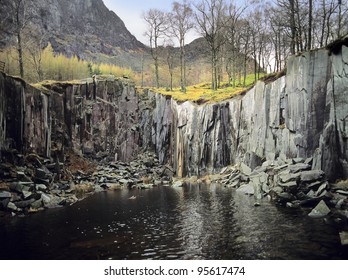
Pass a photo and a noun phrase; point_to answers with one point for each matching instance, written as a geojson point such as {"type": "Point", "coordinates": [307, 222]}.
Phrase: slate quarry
{"type": "Point", "coordinates": [303, 115]}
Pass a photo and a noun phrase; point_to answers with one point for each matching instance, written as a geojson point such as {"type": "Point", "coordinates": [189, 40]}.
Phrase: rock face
{"type": "Point", "coordinates": [67, 23]}
{"type": "Point", "coordinates": [301, 115]}
{"type": "Point", "coordinates": [95, 117]}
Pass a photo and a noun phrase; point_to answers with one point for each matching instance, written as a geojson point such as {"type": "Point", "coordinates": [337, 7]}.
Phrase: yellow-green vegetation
{"type": "Point", "coordinates": [46, 65]}
{"type": "Point", "coordinates": [202, 93]}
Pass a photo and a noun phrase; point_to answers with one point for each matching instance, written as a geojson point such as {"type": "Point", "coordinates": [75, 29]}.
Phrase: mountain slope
{"type": "Point", "coordinates": [75, 27]}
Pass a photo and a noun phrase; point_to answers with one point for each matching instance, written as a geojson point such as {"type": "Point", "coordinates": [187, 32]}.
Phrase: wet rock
{"type": "Point", "coordinates": [3, 203]}
{"type": "Point", "coordinates": [320, 211]}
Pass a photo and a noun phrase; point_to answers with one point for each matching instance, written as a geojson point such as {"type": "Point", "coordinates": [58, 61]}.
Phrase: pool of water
{"type": "Point", "coordinates": [193, 222]}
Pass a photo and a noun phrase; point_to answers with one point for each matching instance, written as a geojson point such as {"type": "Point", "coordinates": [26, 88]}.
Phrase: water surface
{"type": "Point", "coordinates": [194, 222]}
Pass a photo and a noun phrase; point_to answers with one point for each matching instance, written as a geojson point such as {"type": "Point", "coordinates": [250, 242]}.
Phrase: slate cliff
{"type": "Point", "coordinates": [302, 114]}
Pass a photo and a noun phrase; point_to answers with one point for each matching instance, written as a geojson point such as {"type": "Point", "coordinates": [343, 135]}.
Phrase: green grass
{"type": "Point", "coordinates": [202, 93]}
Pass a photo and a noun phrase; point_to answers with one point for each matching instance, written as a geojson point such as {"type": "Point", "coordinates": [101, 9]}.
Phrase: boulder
{"type": "Point", "coordinates": [12, 206]}
{"type": "Point", "coordinates": [248, 189]}
{"type": "Point", "coordinates": [40, 187]}
{"type": "Point", "coordinates": [345, 193]}
{"type": "Point", "coordinates": [24, 203]}
{"type": "Point", "coordinates": [298, 160]}
{"type": "Point", "coordinates": [21, 176]}
{"type": "Point", "coordinates": [4, 203]}
{"type": "Point", "coordinates": [42, 174]}
{"type": "Point", "coordinates": [246, 170]}
{"type": "Point", "coordinates": [177, 184]}
{"type": "Point", "coordinates": [285, 197]}
{"type": "Point", "coordinates": [320, 211]}
{"type": "Point", "coordinates": [37, 204]}
{"type": "Point", "coordinates": [299, 167]}
{"type": "Point", "coordinates": [5, 194]}
{"type": "Point", "coordinates": [321, 189]}
{"type": "Point", "coordinates": [286, 177]}
{"type": "Point", "coordinates": [27, 194]}
{"type": "Point", "coordinates": [18, 187]}
{"type": "Point", "coordinates": [311, 175]}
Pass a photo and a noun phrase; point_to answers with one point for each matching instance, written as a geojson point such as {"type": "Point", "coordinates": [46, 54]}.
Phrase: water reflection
{"type": "Point", "coordinates": [194, 222]}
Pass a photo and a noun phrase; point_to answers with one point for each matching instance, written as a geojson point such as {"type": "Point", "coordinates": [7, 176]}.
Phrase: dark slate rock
{"type": "Point", "coordinates": [4, 203]}
{"type": "Point", "coordinates": [5, 194]}
{"type": "Point", "coordinates": [24, 203]}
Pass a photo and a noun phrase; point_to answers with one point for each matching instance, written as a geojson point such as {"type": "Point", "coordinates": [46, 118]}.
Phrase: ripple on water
{"type": "Point", "coordinates": [163, 223]}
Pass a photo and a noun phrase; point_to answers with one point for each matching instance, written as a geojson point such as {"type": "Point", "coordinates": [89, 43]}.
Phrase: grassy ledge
{"type": "Point", "coordinates": [202, 93]}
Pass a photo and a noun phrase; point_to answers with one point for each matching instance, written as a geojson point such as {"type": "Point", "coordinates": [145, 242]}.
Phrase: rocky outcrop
{"type": "Point", "coordinates": [302, 114]}
{"type": "Point", "coordinates": [31, 184]}
{"type": "Point", "coordinates": [94, 117]}
{"type": "Point", "coordinates": [67, 23]}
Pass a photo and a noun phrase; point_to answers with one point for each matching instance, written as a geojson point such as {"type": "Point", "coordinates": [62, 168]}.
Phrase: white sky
{"type": "Point", "coordinates": [130, 11]}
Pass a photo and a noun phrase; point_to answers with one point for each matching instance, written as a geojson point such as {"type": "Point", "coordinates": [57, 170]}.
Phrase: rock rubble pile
{"type": "Point", "coordinates": [30, 184]}
{"type": "Point", "coordinates": [291, 183]}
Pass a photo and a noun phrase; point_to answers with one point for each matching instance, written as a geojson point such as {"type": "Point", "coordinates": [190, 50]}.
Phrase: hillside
{"type": "Point", "coordinates": [85, 28]}
{"type": "Point", "coordinates": [88, 30]}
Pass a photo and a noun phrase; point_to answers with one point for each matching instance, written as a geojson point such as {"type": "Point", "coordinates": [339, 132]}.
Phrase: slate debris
{"type": "Point", "coordinates": [29, 187]}
{"type": "Point", "coordinates": [291, 183]}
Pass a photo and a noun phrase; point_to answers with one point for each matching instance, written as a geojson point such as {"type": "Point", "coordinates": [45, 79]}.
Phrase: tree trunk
{"type": "Point", "coordinates": [310, 21]}
{"type": "Point", "coordinates": [20, 55]}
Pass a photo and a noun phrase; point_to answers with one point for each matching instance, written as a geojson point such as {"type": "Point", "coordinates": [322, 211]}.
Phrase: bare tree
{"type": "Point", "coordinates": [157, 25]}
{"type": "Point", "coordinates": [35, 46]}
{"type": "Point", "coordinates": [170, 59]}
{"type": "Point", "coordinates": [181, 23]}
{"type": "Point", "coordinates": [233, 41]}
{"type": "Point", "coordinates": [20, 21]}
{"type": "Point", "coordinates": [212, 19]}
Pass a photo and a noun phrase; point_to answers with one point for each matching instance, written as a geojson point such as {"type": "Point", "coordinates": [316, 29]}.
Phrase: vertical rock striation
{"type": "Point", "coordinates": [303, 114]}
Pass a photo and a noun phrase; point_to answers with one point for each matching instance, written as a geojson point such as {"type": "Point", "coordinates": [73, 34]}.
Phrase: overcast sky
{"type": "Point", "coordinates": [130, 11]}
